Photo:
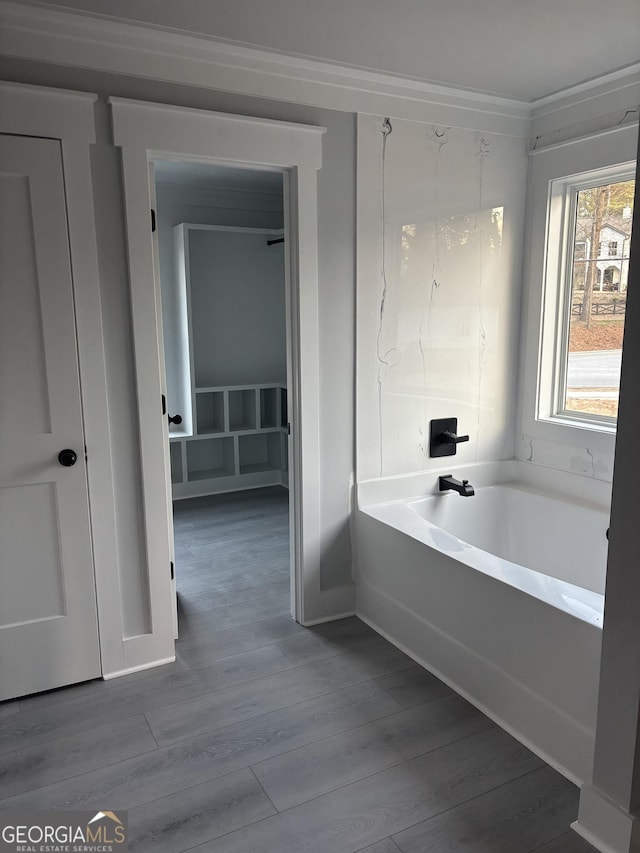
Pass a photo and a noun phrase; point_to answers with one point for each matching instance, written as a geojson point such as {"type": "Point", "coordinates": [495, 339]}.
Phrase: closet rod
{"type": "Point", "coordinates": [272, 242]}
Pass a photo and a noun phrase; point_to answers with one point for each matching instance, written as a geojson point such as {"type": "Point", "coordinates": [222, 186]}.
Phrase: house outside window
{"type": "Point", "coordinates": [613, 248]}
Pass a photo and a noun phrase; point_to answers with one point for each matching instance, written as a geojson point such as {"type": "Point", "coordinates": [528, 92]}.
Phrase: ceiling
{"type": "Point", "coordinates": [203, 175]}
{"type": "Point", "coordinates": [524, 49]}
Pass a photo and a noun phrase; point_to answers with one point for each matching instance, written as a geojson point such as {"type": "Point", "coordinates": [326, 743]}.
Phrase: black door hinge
{"type": "Point", "coordinates": [164, 405]}
{"type": "Point", "coordinates": [153, 220]}
{"type": "Point", "coordinates": [173, 574]}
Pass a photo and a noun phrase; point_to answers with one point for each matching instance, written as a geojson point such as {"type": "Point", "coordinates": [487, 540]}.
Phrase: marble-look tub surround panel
{"type": "Point", "coordinates": [586, 459]}
{"type": "Point", "coordinates": [440, 222]}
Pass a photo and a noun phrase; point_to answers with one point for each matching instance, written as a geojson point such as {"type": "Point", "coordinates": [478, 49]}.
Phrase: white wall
{"type": "Point", "coordinates": [237, 308]}
{"type": "Point", "coordinates": [336, 240]}
{"type": "Point", "coordinates": [211, 206]}
{"type": "Point", "coordinates": [440, 218]}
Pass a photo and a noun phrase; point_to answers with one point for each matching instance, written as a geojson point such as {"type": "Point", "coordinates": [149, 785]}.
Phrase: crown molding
{"type": "Point", "coordinates": [101, 44]}
{"type": "Point", "coordinates": [609, 102]}
{"type": "Point", "coordinates": [630, 129]}
{"type": "Point", "coordinates": [113, 46]}
{"type": "Point", "coordinates": [623, 79]}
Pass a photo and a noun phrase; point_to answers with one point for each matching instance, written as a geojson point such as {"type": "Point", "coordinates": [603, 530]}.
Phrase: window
{"type": "Point", "coordinates": [580, 251]}
{"type": "Point", "coordinates": [558, 428]}
{"type": "Point", "coordinates": [590, 296]}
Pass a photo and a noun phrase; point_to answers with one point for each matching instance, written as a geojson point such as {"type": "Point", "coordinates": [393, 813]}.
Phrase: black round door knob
{"type": "Point", "coordinates": [175, 419]}
{"type": "Point", "coordinates": [67, 457]}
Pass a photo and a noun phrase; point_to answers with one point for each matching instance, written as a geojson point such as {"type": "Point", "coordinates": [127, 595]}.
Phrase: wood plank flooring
{"type": "Point", "coordinates": [266, 737]}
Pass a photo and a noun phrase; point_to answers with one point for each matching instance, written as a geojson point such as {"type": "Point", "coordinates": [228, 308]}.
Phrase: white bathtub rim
{"type": "Point", "coordinates": [575, 601]}
{"type": "Point", "coordinates": [579, 603]}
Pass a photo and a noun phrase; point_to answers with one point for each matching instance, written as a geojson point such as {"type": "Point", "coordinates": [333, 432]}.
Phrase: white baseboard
{"type": "Point", "coordinates": [309, 623]}
{"type": "Point", "coordinates": [591, 839]}
{"type": "Point", "coordinates": [605, 825]}
{"type": "Point", "coordinates": [330, 604]}
{"type": "Point", "coordinates": [107, 676]}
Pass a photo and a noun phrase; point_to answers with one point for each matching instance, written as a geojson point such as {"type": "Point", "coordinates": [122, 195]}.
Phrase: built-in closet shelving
{"type": "Point", "coordinates": [233, 436]}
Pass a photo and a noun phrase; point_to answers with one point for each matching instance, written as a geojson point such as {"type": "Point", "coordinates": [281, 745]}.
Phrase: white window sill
{"type": "Point", "coordinates": [567, 421]}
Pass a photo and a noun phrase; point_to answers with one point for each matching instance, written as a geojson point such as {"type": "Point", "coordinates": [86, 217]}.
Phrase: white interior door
{"type": "Point", "coordinates": [48, 621]}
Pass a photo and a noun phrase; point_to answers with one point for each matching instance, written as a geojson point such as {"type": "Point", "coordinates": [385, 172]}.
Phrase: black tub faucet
{"type": "Point", "coordinates": [462, 487]}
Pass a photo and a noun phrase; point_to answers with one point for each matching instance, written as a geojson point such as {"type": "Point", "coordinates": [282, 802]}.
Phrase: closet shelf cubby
{"type": "Point", "coordinates": [240, 441]}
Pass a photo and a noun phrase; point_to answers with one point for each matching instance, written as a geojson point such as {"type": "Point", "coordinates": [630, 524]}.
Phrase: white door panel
{"type": "Point", "coordinates": [48, 622]}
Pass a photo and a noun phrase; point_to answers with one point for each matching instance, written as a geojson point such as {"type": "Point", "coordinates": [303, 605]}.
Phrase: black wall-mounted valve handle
{"type": "Point", "coordinates": [451, 438]}
{"type": "Point", "coordinates": [443, 437]}
{"type": "Point", "coordinates": [175, 419]}
{"type": "Point", "coordinates": [67, 457]}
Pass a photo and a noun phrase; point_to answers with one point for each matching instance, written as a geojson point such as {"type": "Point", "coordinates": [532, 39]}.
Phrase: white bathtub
{"type": "Point", "coordinates": [499, 594]}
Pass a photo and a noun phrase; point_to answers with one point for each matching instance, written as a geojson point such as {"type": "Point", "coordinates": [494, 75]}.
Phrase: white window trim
{"type": "Point", "coordinates": [551, 170]}
{"type": "Point", "coordinates": [563, 194]}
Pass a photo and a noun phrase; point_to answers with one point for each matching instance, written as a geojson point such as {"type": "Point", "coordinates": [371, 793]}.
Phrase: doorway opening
{"type": "Point", "coordinates": [221, 265]}
{"type": "Point", "coordinates": [147, 133]}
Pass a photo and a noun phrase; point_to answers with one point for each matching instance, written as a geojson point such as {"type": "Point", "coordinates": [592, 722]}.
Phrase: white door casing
{"type": "Point", "coordinates": [156, 278]}
{"type": "Point", "coordinates": [146, 132]}
{"type": "Point", "coordinates": [47, 600]}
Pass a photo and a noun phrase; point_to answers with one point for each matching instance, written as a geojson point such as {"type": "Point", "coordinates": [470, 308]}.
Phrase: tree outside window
{"type": "Point", "coordinates": [598, 297]}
